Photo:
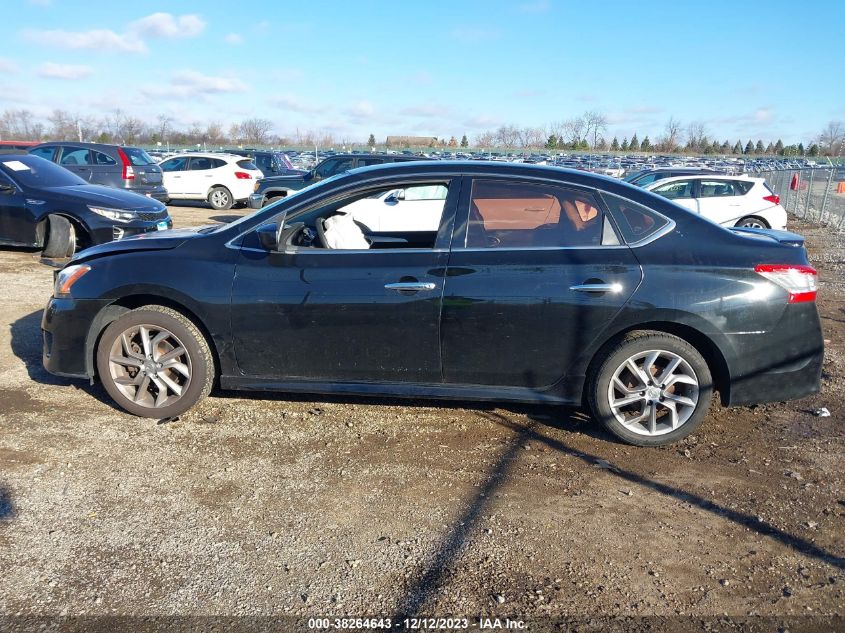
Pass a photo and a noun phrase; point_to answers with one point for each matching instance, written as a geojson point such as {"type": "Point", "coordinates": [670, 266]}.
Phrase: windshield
{"type": "Point", "coordinates": [32, 171]}
{"type": "Point", "coordinates": [138, 157]}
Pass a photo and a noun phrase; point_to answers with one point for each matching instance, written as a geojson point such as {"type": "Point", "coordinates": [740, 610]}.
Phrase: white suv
{"type": "Point", "coordinates": [221, 179]}
{"type": "Point", "coordinates": [726, 200]}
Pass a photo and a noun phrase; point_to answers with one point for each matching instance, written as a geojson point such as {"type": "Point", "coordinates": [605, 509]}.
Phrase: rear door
{"type": "Point", "coordinates": [105, 170]}
{"type": "Point", "coordinates": [76, 159]}
{"type": "Point", "coordinates": [200, 176]}
{"type": "Point", "coordinates": [535, 274]}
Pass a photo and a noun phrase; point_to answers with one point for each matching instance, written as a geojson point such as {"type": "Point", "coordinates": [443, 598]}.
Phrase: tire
{"type": "Point", "coordinates": [139, 393]}
{"type": "Point", "coordinates": [633, 423]}
{"type": "Point", "coordinates": [220, 199]}
{"type": "Point", "coordinates": [753, 222]}
{"type": "Point", "coordinates": [61, 238]}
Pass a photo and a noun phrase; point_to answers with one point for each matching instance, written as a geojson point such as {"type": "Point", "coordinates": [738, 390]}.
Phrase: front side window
{"type": "Point", "coordinates": [336, 166]}
{"type": "Point", "coordinates": [75, 156]}
{"type": "Point", "coordinates": [175, 164]}
{"type": "Point", "coordinates": [506, 214]}
{"type": "Point", "coordinates": [675, 190]}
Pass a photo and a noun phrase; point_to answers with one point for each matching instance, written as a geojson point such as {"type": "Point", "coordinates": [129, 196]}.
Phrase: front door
{"type": "Point", "coordinates": [77, 160]}
{"type": "Point", "coordinates": [680, 192]}
{"type": "Point", "coordinates": [16, 224]}
{"type": "Point", "coordinates": [369, 313]}
{"type": "Point", "coordinates": [535, 274]}
{"type": "Point", "coordinates": [174, 171]}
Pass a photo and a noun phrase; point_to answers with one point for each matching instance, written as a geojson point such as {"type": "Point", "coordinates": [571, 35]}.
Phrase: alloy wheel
{"type": "Point", "coordinates": [653, 392]}
{"type": "Point", "coordinates": [150, 366]}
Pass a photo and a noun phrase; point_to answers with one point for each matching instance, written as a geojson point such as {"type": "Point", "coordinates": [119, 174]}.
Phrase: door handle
{"type": "Point", "coordinates": [615, 288]}
{"type": "Point", "coordinates": [413, 286]}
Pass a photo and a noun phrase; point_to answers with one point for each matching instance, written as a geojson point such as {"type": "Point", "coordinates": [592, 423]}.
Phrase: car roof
{"type": "Point", "coordinates": [665, 181]}
{"type": "Point", "coordinates": [209, 155]}
{"type": "Point", "coordinates": [86, 145]}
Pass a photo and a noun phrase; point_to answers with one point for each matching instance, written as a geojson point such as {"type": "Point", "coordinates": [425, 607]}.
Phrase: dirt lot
{"type": "Point", "coordinates": [289, 506]}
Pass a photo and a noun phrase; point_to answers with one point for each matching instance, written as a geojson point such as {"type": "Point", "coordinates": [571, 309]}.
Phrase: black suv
{"type": "Point", "coordinates": [127, 168]}
{"type": "Point", "coordinates": [269, 190]}
{"type": "Point", "coordinates": [271, 163]}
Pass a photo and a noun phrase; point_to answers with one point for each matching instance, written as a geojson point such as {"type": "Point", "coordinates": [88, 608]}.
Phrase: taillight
{"type": "Point", "coordinates": [128, 171]}
{"type": "Point", "coordinates": [774, 198]}
{"type": "Point", "coordinates": [242, 175]}
{"type": "Point", "coordinates": [798, 281]}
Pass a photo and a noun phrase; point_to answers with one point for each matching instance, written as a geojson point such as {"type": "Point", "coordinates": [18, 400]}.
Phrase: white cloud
{"type": "Point", "coordinates": [234, 38]}
{"type": "Point", "coordinates": [64, 71]}
{"type": "Point", "coordinates": [95, 39]}
{"type": "Point", "coordinates": [293, 104]}
{"type": "Point", "coordinates": [7, 66]}
{"type": "Point", "coordinates": [482, 121]}
{"type": "Point", "coordinates": [427, 110]}
{"type": "Point", "coordinates": [187, 84]}
{"type": "Point", "coordinates": [168, 26]}
{"type": "Point", "coordinates": [361, 110]}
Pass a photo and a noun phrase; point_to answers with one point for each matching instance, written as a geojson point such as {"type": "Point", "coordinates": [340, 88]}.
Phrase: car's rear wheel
{"type": "Point", "coordinates": [154, 362]}
{"type": "Point", "coordinates": [753, 222]}
{"type": "Point", "coordinates": [60, 241]}
{"type": "Point", "coordinates": [220, 199]}
{"type": "Point", "coordinates": [650, 389]}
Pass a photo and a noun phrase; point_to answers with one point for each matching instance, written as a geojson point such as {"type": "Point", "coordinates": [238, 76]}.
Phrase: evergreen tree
{"type": "Point", "coordinates": [726, 147]}
{"type": "Point", "coordinates": [614, 145]}
{"type": "Point", "coordinates": [758, 149]}
{"type": "Point", "coordinates": [645, 146]}
{"type": "Point", "coordinates": [813, 151]}
{"type": "Point", "coordinates": [464, 141]}
{"type": "Point", "coordinates": [801, 149]}
{"type": "Point", "coordinates": [371, 141]}
{"type": "Point", "coordinates": [737, 148]}
{"type": "Point", "coordinates": [770, 148]}
{"type": "Point", "coordinates": [749, 148]}
{"type": "Point", "coordinates": [625, 144]}
{"type": "Point", "coordinates": [779, 147]}
{"type": "Point", "coordinates": [634, 145]}
{"type": "Point", "coordinates": [552, 142]}
{"type": "Point", "coordinates": [716, 147]}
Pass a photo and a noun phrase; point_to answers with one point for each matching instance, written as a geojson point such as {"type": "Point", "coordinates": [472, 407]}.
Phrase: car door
{"type": "Point", "coordinates": [200, 176]}
{"type": "Point", "coordinates": [720, 200]}
{"type": "Point", "coordinates": [680, 192]}
{"type": "Point", "coordinates": [76, 159]}
{"type": "Point", "coordinates": [105, 170]}
{"type": "Point", "coordinates": [306, 312]}
{"type": "Point", "coordinates": [174, 171]}
{"type": "Point", "coordinates": [16, 223]}
{"type": "Point", "coordinates": [535, 274]}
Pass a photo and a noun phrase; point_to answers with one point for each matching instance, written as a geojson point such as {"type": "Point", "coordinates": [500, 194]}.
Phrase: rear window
{"type": "Point", "coordinates": [636, 222]}
{"type": "Point", "coordinates": [247, 164]}
{"type": "Point", "coordinates": [138, 156]}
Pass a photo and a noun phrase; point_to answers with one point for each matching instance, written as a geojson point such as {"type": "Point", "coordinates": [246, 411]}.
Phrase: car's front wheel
{"type": "Point", "coordinates": [154, 362]}
{"type": "Point", "coordinates": [650, 389]}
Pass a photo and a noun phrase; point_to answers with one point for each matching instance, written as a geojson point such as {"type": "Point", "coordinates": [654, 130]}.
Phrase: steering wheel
{"type": "Point", "coordinates": [321, 233]}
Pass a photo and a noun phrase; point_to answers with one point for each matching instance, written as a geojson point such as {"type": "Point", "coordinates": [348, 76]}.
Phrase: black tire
{"type": "Point", "coordinates": [184, 332]}
{"type": "Point", "coordinates": [61, 238]}
{"type": "Point", "coordinates": [753, 221]}
{"type": "Point", "coordinates": [613, 357]}
{"type": "Point", "coordinates": [220, 199]}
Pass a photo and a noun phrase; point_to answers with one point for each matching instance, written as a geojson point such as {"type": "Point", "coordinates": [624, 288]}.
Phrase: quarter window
{"type": "Point", "coordinates": [508, 215]}
{"type": "Point", "coordinates": [635, 222]}
{"type": "Point", "coordinates": [103, 159]}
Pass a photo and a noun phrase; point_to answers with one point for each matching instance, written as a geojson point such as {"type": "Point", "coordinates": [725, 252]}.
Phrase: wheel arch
{"type": "Point", "coordinates": [118, 308]}
{"type": "Point", "coordinates": [76, 222]}
{"type": "Point", "coordinates": [705, 345]}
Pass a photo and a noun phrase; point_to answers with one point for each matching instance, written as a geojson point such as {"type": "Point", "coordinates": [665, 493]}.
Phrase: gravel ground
{"type": "Point", "coordinates": [292, 507]}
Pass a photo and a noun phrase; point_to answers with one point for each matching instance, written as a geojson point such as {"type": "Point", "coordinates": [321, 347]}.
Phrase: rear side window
{"type": "Point", "coordinates": [721, 188]}
{"type": "Point", "coordinates": [44, 152]}
{"type": "Point", "coordinates": [201, 163]}
{"type": "Point", "coordinates": [675, 190]}
{"type": "Point", "coordinates": [246, 164]}
{"type": "Point", "coordinates": [508, 215]}
{"type": "Point", "coordinates": [75, 156]}
{"type": "Point", "coordinates": [137, 156]}
{"type": "Point", "coordinates": [103, 159]}
{"type": "Point", "coordinates": [635, 222]}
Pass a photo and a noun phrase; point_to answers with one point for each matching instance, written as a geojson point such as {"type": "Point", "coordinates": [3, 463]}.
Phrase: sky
{"type": "Point", "coordinates": [747, 70]}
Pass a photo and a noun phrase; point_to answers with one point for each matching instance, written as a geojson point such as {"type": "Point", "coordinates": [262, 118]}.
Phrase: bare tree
{"type": "Point", "coordinates": [671, 136]}
{"type": "Point", "coordinates": [594, 123]}
{"type": "Point", "coordinates": [20, 124]}
{"type": "Point", "coordinates": [256, 131]}
{"type": "Point", "coordinates": [831, 138]}
{"type": "Point", "coordinates": [485, 139]}
{"type": "Point", "coordinates": [696, 135]}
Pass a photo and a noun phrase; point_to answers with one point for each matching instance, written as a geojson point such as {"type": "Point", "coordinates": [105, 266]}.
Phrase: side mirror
{"type": "Point", "coordinates": [395, 196]}
{"type": "Point", "coordinates": [268, 235]}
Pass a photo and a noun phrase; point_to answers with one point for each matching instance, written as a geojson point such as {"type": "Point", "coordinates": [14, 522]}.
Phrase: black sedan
{"type": "Point", "coordinates": [45, 206]}
{"type": "Point", "coordinates": [451, 280]}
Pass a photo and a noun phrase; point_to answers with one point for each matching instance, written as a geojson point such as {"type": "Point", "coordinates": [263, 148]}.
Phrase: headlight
{"type": "Point", "coordinates": [67, 277]}
{"type": "Point", "coordinates": [120, 215]}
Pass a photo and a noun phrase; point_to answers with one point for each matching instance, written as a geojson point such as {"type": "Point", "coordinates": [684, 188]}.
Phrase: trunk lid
{"type": "Point", "coordinates": [786, 238]}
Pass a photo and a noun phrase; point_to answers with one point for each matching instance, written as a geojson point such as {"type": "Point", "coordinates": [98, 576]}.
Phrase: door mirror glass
{"type": "Point", "coordinates": [268, 235]}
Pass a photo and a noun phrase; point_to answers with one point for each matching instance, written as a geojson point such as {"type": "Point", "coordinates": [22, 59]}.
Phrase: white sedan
{"type": "Point", "coordinates": [726, 200]}
{"type": "Point", "coordinates": [221, 179]}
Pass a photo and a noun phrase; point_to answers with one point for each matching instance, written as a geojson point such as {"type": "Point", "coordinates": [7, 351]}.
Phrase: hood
{"type": "Point", "coordinates": [153, 241]}
{"type": "Point", "coordinates": [102, 196]}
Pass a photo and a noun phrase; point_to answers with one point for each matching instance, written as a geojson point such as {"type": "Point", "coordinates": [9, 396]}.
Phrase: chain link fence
{"type": "Point", "coordinates": [816, 195]}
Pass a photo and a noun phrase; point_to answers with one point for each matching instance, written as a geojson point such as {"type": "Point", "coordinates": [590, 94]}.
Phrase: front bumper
{"type": "Point", "coordinates": [65, 327]}
{"type": "Point", "coordinates": [255, 200]}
